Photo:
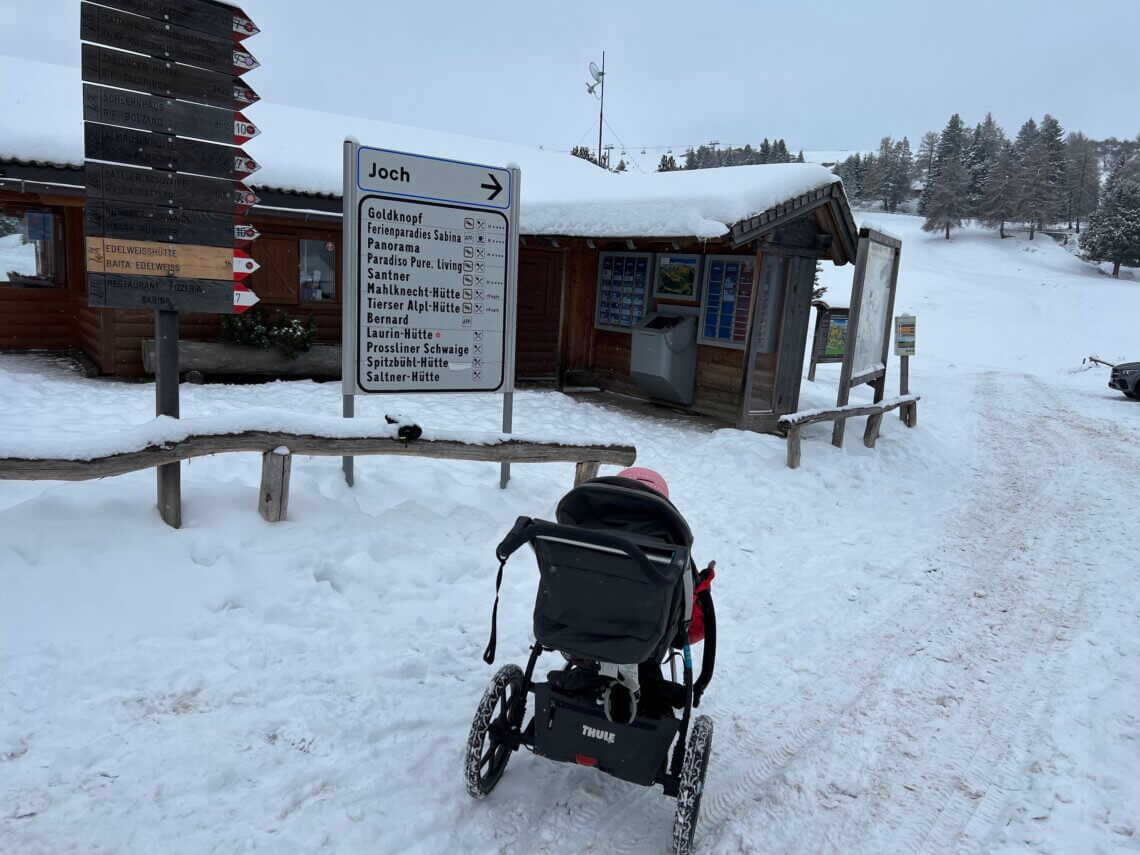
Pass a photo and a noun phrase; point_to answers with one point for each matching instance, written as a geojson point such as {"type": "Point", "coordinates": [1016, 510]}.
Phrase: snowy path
{"type": "Point", "coordinates": [911, 735]}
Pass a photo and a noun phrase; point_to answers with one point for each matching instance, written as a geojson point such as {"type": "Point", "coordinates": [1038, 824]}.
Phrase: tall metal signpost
{"type": "Point", "coordinates": [430, 273]}
{"type": "Point", "coordinates": [161, 101]}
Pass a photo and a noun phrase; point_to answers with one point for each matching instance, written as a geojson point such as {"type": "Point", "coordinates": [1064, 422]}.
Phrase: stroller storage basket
{"type": "Point", "coordinates": [606, 597]}
{"type": "Point", "coordinates": [575, 730]}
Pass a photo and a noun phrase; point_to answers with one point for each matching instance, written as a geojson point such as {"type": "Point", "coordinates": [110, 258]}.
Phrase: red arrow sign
{"type": "Point", "coordinates": [243, 265]}
{"type": "Point", "coordinates": [245, 233]}
{"type": "Point", "coordinates": [243, 26]}
{"type": "Point", "coordinates": [244, 164]}
{"type": "Point", "coordinates": [244, 198]}
{"type": "Point", "coordinates": [244, 129]}
{"type": "Point", "coordinates": [243, 62]}
{"type": "Point", "coordinates": [243, 298]}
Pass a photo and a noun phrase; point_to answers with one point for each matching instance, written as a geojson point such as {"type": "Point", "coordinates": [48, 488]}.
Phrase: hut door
{"type": "Point", "coordinates": [540, 315]}
{"type": "Point", "coordinates": [793, 334]}
{"type": "Point", "coordinates": [760, 362]}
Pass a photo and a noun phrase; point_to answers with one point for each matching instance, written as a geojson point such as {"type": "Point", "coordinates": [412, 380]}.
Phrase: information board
{"type": "Point", "coordinates": [727, 300]}
{"type": "Point", "coordinates": [874, 311]}
{"type": "Point", "coordinates": [432, 255]}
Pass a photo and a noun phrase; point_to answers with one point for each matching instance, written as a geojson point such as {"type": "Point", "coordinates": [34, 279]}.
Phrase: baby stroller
{"type": "Point", "coordinates": [619, 596]}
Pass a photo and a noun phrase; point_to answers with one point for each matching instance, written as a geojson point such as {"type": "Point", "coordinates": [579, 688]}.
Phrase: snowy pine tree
{"type": "Point", "coordinates": [998, 204]}
{"type": "Point", "coordinates": [690, 159]}
{"type": "Point", "coordinates": [668, 163]}
{"type": "Point", "coordinates": [800, 156]}
{"type": "Point", "coordinates": [621, 167]}
{"type": "Point", "coordinates": [1082, 181]}
{"type": "Point", "coordinates": [1113, 232]}
{"type": "Point", "coordinates": [985, 148]}
{"type": "Point", "coordinates": [948, 204]}
{"type": "Point", "coordinates": [902, 168]}
{"type": "Point", "coordinates": [951, 146]}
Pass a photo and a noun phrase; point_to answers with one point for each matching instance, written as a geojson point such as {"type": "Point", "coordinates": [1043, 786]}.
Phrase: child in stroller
{"type": "Point", "coordinates": [619, 596]}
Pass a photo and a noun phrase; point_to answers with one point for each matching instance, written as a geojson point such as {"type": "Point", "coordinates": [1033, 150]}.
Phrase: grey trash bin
{"type": "Point", "coordinates": [663, 361]}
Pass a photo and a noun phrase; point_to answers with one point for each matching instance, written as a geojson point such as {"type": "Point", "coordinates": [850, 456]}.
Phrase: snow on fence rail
{"type": "Point", "coordinates": [167, 440]}
{"type": "Point", "coordinates": [793, 422]}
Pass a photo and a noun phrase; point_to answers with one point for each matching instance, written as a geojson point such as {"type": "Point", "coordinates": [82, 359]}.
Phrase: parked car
{"type": "Point", "coordinates": [1126, 378]}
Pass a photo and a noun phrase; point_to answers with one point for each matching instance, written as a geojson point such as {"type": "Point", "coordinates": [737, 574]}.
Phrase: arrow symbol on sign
{"type": "Point", "coordinates": [494, 186]}
{"type": "Point", "coordinates": [243, 298]}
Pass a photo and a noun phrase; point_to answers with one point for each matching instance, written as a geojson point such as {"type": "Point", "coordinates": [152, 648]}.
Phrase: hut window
{"type": "Point", "coordinates": [726, 300]}
{"type": "Point", "coordinates": [624, 289]}
{"type": "Point", "coordinates": [31, 248]}
{"type": "Point", "coordinates": [318, 270]}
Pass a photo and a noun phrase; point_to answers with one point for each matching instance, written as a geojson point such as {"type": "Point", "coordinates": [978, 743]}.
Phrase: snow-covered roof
{"type": "Point", "coordinates": [301, 150]}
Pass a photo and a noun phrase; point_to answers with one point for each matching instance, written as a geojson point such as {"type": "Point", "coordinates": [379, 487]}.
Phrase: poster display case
{"type": "Point", "coordinates": [624, 289]}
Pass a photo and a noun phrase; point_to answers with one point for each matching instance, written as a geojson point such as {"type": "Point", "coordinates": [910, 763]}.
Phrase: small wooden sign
{"type": "Point", "coordinates": [152, 187]}
{"type": "Point", "coordinates": [216, 19]}
{"type": "Point", "coordinates": [165, 115]}
{"type": "Point", "coordinates": [146, 258]}
{"type": "Point", "coordinates": [162, 40]}
{"type": "Point", "coordinates": [159, 77]}
{"type": "Point", "coordinates": [131, 221]}
{"type": "Point", "coordinates": [162, 151]}
{"type": "Point", "coordinates": [116, 291]}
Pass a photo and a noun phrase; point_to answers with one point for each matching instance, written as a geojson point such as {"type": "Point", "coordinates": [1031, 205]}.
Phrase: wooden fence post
{"type": "Point", "coordinates": [871, 432]}
{"type": "Point", "coordinates": [794, 448]}
{"type": "Point", "coordinates": [584, 471]}
{"type": "Point", "coordinates": [273, 502]}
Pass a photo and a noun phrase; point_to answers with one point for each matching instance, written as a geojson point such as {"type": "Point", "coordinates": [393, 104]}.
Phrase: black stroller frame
{"type": "Point", "coordinates": [616, 586]}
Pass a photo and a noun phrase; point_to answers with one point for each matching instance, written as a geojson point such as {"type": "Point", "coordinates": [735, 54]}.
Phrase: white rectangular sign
{"type": "Point", "coordinates": [431, 264]}
{"type": "Point", "coordinates": [904, 335]}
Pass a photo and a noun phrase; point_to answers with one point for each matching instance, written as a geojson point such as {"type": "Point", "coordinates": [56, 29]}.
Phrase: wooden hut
{"type": "Point", "coordinates": [752, 237]}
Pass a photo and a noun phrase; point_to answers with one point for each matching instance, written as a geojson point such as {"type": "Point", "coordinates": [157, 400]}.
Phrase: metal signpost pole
{"type": "Point", "coordinates": [511, 320]}
{"type": "Point", "coordinates": [166, 404]}
{"type": "Point", "coordinates": [348, 278]}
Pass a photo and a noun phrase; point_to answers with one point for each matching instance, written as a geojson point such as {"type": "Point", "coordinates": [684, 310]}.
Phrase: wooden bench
{"type": "Point", "coordinates": [794, 422]}
{"type": "Point", "coordinates": [277, 450]}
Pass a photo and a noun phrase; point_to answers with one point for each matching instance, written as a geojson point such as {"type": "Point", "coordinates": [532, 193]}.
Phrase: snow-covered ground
{"type": "Point", "coordinates": [927, 647]}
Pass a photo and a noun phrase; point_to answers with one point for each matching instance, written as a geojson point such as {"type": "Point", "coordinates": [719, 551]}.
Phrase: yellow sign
{"type": "Point", "coordinates": [144, 258]}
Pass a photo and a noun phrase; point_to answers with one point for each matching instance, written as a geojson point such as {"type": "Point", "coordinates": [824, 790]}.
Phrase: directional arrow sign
{"type": "Point", "coordinates": [132, 221]}
{"type": "Point", "coordinates": [158, 77]}
{"type": "Point", "coordinates": [494, 187]}
{"type": "Point", "coordinates": [161, 151]}
{"type": "Point", "coordinates": [152, 187]}
{"type": "Point", "coordinates": [243, 298]}
{"type": "Point", "coordinates": [216, 19]}
{"type": "Point", "coordinates": [245, 233]}
{"type": "Point", "coordinates": [416, 177]}
{"type": "Point", "coordinates": [187, 261]}
{"type": "Point", "coordinates": [219, 296]}
{"type": "Point", "coordinates": [163, 40]}
{"type": "Point", "coordinates": [165, 115]}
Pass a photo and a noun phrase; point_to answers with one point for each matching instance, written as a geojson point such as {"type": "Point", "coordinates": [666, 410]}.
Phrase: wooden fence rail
{"type": "Point", "coordinates": [794, 422]}
{"type": "Point", "coordinates": [278, 448]}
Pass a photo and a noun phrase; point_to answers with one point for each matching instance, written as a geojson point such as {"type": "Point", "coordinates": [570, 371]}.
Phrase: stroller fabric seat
{"type": "Point", "coordinates": [612, 579]}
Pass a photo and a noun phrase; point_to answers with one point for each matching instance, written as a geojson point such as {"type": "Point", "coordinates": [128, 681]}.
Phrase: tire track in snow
{"type": "Point", "coordinates": [1016, 681]}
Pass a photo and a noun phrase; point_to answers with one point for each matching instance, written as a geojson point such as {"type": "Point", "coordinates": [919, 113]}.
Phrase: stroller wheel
{"type": "Point", "coordinates": [500, 711]}
{"type": "Point", "coordinates": [692, 785]}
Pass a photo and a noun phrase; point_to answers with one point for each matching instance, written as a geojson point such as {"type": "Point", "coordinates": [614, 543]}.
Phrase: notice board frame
{"type": "Point", "coordinates": [824, 313]}
{"type": "Point", "coordinates": [877, 377]}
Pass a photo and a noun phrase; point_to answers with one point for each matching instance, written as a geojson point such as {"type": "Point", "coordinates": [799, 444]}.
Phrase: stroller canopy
{"type": "Point", "coordinates": [624, 506]}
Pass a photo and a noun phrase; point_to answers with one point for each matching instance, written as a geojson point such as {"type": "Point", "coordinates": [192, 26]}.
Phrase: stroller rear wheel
{"type": "Point", "coordinates": [500, 712]}
{"type": "Point", "coordinates": [692, 785]}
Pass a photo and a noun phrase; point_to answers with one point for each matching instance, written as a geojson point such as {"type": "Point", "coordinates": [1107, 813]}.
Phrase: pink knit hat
{"type": "Point", "coordinates": [648, 477]}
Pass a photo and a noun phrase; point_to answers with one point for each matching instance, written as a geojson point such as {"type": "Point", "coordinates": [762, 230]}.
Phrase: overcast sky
{"type": "Point", "coordinates": [822, 75]}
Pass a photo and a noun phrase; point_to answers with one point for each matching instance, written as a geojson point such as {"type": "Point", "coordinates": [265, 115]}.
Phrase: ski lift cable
{"type": "Point", "coordinates": [624, 146]}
